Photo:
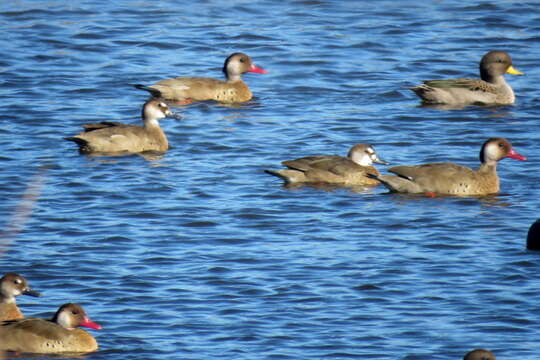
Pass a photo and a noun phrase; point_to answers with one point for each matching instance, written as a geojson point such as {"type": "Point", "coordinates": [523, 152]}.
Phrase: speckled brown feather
{"type": "Point", "coordinates": [201, 89]}
{"type": "Point", "coordinates": [58, 335]}
{"type": "Point", "coordinates": [187, 89]}
{"type": "Point", "coordinates": [43, 336]}
{"type": "Point", "coordinates": [451, 179]}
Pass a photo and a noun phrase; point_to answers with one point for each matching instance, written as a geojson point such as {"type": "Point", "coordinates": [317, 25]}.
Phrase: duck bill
{"type": "Point", "coordinates": [173, 115]}
{"type": "Point", "coordinates": [380, 161]}
{"type": "Point", "coordinates": [258, 70]}
{"type": "Point", "coordinates": [512, 70]}
{"type": "Point", "coordinates": [90, 324]}
{"type": "Point", "coordinates": [513, 154]}
{"type": "Point", "coordinates": [31, 293]}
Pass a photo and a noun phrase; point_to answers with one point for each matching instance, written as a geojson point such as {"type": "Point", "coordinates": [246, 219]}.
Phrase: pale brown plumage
{"type": "Point", "coordinates": [453, 179]}
{"type": "Point", "coordinates": [58, 335]}
{"type": "Point", "coordinates": [491, 88]}
{"type": "Point", "coordinates": [333, 169]}
{"type": "Point", "coordinates": [12, 285]}
{"type": "Point", "coordinates": [113, 137]}
{"type": "Point", "coordinates": [233, 90]}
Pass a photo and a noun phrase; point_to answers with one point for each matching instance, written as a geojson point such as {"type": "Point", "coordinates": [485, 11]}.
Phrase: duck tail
{"type": "Point", "coordinates": [77, 140]}
{"type": "Point", "coordinates": [151, 90]}
{"type": "Point", "coordinates": [290, 176]}
{"type": "Point", "coordinates": [83, 144]}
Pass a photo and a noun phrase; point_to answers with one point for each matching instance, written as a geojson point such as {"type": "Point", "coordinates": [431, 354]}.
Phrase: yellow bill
{"type": "Point", "coordinates": [512, 70]}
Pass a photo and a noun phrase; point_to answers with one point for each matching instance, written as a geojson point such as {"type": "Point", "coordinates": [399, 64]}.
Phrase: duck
{"type": "Point", "coordinates": [333, 169]}
{"type": "Point", "coordinates": [479, 354]}
{"type": "Point", "coordinates": [114, 137]}
{"type": "Point", "coordinates": [490, 89]}
{"type": "Point", "coordinates": [188, 89]}
{"type": "Point", "coordinates": [58, 335]}
{"type": "Point", "coordinates": [12, 285]}
{"type": "Point", "coordinates": [452, 179]}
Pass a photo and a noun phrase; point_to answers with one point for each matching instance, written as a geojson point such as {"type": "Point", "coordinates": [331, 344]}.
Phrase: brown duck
{"type": "Point", "coordinates": [114, 137]}
{"type": "Point", "coordinates": [333, 169]}
{"type": "Point", "coordinates": [453, 179]}
{"type": "Point", "coordinates": [187, 89]}
{"type": "Point", "coordinates": [491, 88]}
{"type": "Point", "coordinates": [479, 354]}
{"type": "Point", "coordinates": [58, 335]}
{"type": "Point", "coordinates": [12, 285]}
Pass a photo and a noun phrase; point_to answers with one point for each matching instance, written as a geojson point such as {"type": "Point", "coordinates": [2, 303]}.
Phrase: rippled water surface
{"type": "Point", "coordinates": [201, 255]}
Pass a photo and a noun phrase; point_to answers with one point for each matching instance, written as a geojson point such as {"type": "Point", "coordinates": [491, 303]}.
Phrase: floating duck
{"type": "Point", "coordinates": [453, 179]}
{"type": "Point", "coordinates": [12, 285]}
{"type": "Point", "coordinates": [188, 89]}
{"type": "Point", "coordinates": [491, 88]}
{"type": "Point", "coordinates": [114, 137]}
{"type": "Point", "coordinates": [58, 335]}
{"type": "Point", "coordinates": [333, 169]}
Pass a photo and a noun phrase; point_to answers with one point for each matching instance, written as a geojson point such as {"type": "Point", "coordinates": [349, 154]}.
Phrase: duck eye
{"type": "Point", "coordinates": [242, 60]}
{"type": "Point", "coordinates": [17, 281]}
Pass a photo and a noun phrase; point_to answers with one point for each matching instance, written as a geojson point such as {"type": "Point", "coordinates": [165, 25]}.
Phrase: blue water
{"type": "Point", "coordinates": [201, 255]}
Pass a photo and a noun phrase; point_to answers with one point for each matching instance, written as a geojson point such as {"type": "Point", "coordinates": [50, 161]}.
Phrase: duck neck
{"type": "Point", "coordinates": [488, 168]}
{"type": "Point", "coordinates": [151, 123]}
{"type": "Point", "coordinates": [495, 80]}
{"type": "Point", "coordinates": [233, 77]}
{"type": "Point", "coordinates": [488, 176]}
{"type": "Point", "coordinates": [156, 132]}
{"type": "Point", "coordinates": [501, 83]}
{"type": "Point", "coordinates": [7, 299]}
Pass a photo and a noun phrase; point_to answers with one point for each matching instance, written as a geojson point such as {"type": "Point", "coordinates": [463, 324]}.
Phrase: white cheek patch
{"type": "Point", "coordinates": [156, 112]}
{"type": "Point", "coordinates": [64, 320]}
{"type": "Point", "coordinates": [9, 292]}
{"type": "Point", "coordinates": [491, 151]}
{"type": "Point", "coordinates": [365, 160]}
